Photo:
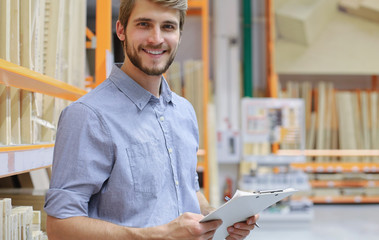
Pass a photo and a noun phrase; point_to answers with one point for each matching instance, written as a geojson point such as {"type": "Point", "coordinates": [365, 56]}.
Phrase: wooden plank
{"type": "Point", "coordinates": [5, 29]}
{"type": "Point", "coordinates": [26, 61]}
{"type": "Point", "coordinates": [26, 117]}
{"type": "Point", "coordinates": [38, 34]}
{"type": "Point", "coordinates": [54, 20]}
{"type": "Point", "coordinates": [15, 32]}
{"type": "Point", "coordinates": [320, 138]}
{"type": "Point", "coordinates": [357, 141]}
{"type": "Point", "coordinates": [334, 127]}
{"type": "Point", "coordinates": [365, 123]}
{"type": "Point", "coordinates": [15, 115]}
{"type": "Point", "coordinates": [5, 115]}
{"type": "Point", "coordinates": [174, 78]}
{"type": "Point", "coordinates": [76, 42]}
{"type": "Point", "coordinates": [374, 122]}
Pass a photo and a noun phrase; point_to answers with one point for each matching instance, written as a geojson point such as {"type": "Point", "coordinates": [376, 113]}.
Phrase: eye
{"type": "Point", "coordinates": [143, 24]}
{"type": "Point", "coordinates": [169, 27]}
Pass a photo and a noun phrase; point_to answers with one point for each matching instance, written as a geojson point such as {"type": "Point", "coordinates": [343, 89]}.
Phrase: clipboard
{"type": "Point", "coordinates": [244, 205]}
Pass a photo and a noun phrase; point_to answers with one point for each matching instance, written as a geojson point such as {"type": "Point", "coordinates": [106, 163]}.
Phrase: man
{"type": "Point", "coordinates": [125, 155]}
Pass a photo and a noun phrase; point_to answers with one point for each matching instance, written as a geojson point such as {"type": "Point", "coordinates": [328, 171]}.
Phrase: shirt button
{"type": "Point", "coordinates": [161, 118]}
{"type": "Point", "coordinates": [177, 183]}
{"type": "Point", "coordinates": [170, 150]}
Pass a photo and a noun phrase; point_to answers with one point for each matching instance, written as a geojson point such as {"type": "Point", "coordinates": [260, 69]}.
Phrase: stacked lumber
{"type": "Point", "coordinates": [46, 36]}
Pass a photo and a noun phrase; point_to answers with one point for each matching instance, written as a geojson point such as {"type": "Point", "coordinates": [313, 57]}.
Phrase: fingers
{"type": "Point", "coordinates": [212, 225]}
{"type": "Point", "coordinates": [242, 229]}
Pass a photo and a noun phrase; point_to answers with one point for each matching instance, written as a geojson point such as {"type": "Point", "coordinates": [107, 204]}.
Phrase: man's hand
{"type": "Point", "coordinates": [188, 227]}
{"type": "Point", "coordinates": [242, 229]}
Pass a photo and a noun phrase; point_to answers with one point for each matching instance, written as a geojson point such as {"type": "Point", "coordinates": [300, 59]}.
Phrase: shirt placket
{"type": "Point", "coordinates": [161, 117]}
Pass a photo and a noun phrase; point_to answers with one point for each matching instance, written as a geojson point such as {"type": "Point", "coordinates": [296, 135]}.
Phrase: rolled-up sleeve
{"type": "Point", "coordinates": [83, 160]}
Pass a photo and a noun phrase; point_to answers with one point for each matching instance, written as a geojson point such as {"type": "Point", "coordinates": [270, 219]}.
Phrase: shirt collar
{"type": "Point", "coordinates": [137, 94]}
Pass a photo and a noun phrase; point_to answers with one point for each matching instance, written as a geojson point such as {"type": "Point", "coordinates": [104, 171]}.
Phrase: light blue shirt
{"type": "Point", "coordinates": [124, 156]}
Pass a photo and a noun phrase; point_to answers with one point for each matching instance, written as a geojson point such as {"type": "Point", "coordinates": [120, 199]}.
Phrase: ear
{"type": "Point", "coordinates": [120, 31]}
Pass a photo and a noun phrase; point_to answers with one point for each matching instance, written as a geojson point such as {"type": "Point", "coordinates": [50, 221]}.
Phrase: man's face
{"type": "Point", "coordinates": [152, 37]}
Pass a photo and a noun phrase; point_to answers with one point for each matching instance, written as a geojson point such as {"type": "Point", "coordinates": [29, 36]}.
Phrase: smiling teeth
{"type": "Point", "coordinates": [154, 52]}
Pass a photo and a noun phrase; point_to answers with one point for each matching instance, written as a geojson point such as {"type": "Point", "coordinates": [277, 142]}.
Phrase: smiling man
{"type": "Point", "coordinates": [125, 154]}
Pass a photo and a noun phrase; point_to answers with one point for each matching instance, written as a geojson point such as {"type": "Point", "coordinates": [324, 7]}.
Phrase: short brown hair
{"type": "Point", "coordinates": [126, 7]}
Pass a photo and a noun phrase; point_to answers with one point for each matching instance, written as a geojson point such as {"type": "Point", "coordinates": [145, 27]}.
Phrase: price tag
{"type": "Point", "coordinates": [339, 169]}
{"type": "Point", "coordinates": [328, 199]}
{"type": "Point", "coordinates": [320, 169]}
{"type": "Point", "coordinates": [358, 199]}
{"type": "Point", "coordinates": [355, 169]}
{"type": "Point", "coordinates": [309, 169]}
{"type": "Point", "coordinates": [330, 184]}
{"type": "Point", "coordinates": [330, 169]}
{"type": "Point", "coordinates": [371, 184]}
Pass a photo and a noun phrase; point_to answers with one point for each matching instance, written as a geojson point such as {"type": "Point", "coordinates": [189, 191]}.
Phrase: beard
{"type": "Point", "coordinates": [136, 60]}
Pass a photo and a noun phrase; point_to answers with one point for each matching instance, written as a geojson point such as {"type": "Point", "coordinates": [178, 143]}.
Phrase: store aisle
{"type": "Point", "coordinates": [330, 222]}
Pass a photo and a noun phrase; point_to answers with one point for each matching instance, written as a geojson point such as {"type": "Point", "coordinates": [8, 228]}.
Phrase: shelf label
{"type": "Point", "coordinates": [339, 169]}
{"type": "Point", "coordinates": [330, 169]}
{"type": "Point", "coordinates": [355, 169]}
{"type": "Point", "coordinates": [309, 169]}
{"type": "Point", "coordinates": [328, 199]}
{"type": "Point", "coordinates": [320, 169]}
{"type": "Point", "coordinates": [366, 169]}
{"type": "Point", "coordinates": [358, 199]}
{"type": "Point", "coordinates": [330, 184]}
{"type": "Point", "coordinates": [370, 184]}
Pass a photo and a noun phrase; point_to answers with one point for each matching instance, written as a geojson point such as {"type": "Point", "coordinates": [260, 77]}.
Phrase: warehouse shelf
{"type": "Point", "coordinates": [274, 160]}
{"type": "Point", "coordinates": [330, 152]}
{"type": "Point", "coordinates": [343, 183]}
{"type": "Point", "coordinates": [23, 78]}
{"type": "Point", "coordinates": [24, 158]}
{"type": "Point", "coordinates": [344, 199]}
{"type": "Point", "coordinates": [337, 167]}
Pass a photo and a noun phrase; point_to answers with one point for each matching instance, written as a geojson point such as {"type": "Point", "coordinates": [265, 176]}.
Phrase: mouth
{"type": "Point", "coordinates": [155, 52]}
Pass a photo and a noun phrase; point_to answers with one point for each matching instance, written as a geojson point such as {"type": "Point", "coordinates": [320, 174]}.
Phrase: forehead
{"type": "Point", "coordinates": [153, 11]}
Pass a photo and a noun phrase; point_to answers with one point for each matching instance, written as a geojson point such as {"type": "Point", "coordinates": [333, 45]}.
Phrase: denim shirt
{"type": "Point", "coordinates": [125, 156]}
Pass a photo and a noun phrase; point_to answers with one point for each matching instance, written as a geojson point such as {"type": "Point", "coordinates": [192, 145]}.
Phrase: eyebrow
{"type": "Point", "coordinates": [142, 19]}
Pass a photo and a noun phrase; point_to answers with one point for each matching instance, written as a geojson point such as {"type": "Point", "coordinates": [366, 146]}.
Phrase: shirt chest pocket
{"type": "Point", "coordinates": [147, 166]}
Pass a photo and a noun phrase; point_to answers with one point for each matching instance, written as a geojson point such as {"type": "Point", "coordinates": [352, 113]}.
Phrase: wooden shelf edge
{"type": "Point", "coordinates": [329, 152]}
{"type": "Point", "coordinates": [24, 147]}
{"type": "Point", "coordinates": [345, 199]}
{"type": "Point", "coordinates": [25, 159]}
{"type": "Point", "coordinates": [25, 171]}
{"type": "Point", "coordinates": [343, 183]}
{"type": "Point", "coordinates": [337, 167]}
{"type": "Point", "coordinates": [23, 78]}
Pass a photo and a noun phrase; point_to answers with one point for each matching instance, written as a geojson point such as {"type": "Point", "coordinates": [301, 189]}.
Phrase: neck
{"type": "Point", "coordinates": [148, 82]}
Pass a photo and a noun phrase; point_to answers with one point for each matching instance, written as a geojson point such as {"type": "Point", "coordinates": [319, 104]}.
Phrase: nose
{"type": "Point", "coordinates": [156, 36]}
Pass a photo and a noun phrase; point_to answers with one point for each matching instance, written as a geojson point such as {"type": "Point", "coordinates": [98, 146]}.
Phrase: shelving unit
{"type": "Point", "coordinates": [23, 78]}
{"type": "Point", "coordinates": [329, 54]}
{"type": "Point", "coordinates": [201, 8]}
{"type": "Point", "coordinates": [16, 160]}
{"type": "Point", "coordinates": [25, 158]}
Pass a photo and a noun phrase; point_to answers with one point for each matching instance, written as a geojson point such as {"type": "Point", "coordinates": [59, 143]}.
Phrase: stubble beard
{"type": "Point", "coordinates": [136, 60]}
